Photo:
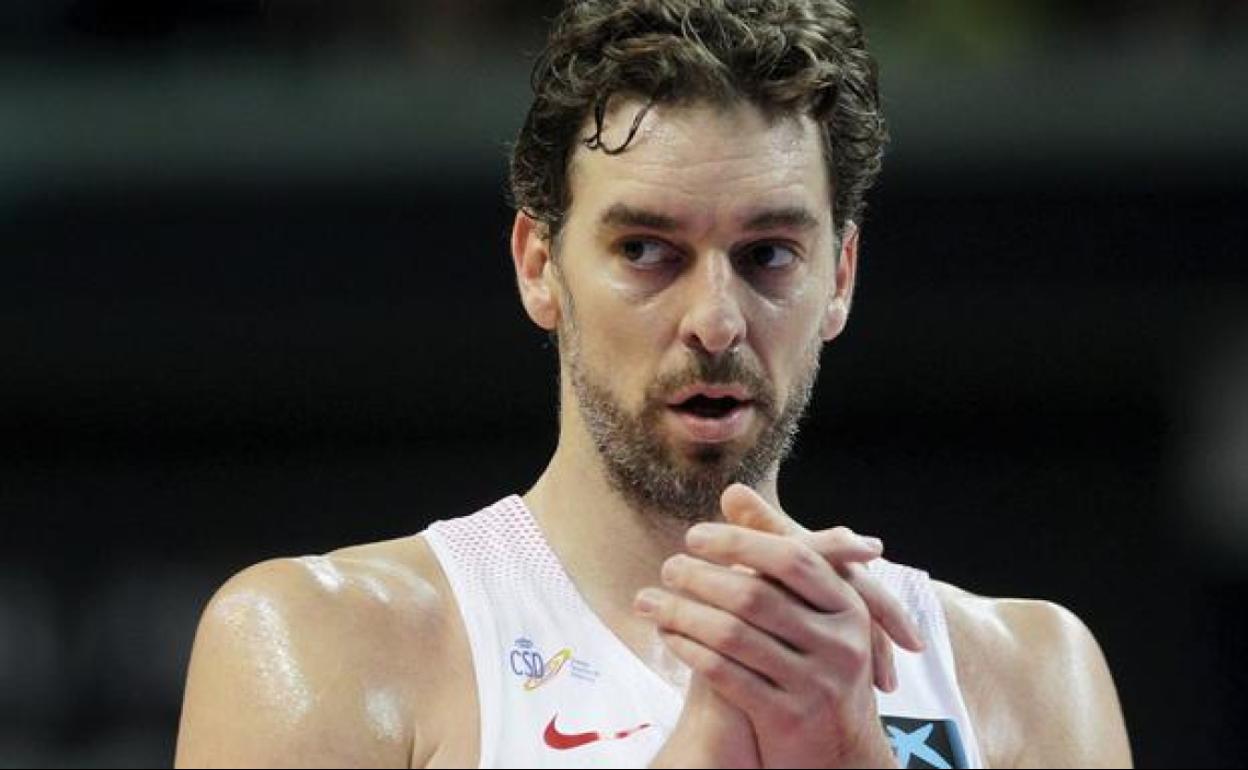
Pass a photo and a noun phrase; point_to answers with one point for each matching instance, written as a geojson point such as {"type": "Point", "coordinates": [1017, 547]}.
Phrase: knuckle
{"type": "Point", "coordinates": [799, 562]}
{"type": "Point", "coordinates": [857, 656]}
{"type": "Point", "coordinates": [716, 668]}
{"type": "Point", "coordinates": [727, 538]}
{"type": "Point", "coordinates": [842, 534]}
{"type": "Point", "coordinates": [850, 653]}
{"type": "Point", "coordinates": [731, 637]}
{"type": "Point", "coordinates": [828, 701]}
{"type": "Point", "coordinates": [817, 634]}
{"type": "Point", "coordinates": [753, 599]}
{"type": "Point", "coordinates": [790, 716]}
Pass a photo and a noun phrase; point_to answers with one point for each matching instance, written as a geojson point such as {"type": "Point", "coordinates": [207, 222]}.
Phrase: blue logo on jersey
{"type": "Point", "coordinates": [528, 663]}
{"type": "Point", "coordinates": [925, 743]}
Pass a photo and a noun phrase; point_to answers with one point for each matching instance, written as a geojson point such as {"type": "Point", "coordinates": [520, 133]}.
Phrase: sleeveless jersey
{"type": "Point", "coordinates": [557, 688]}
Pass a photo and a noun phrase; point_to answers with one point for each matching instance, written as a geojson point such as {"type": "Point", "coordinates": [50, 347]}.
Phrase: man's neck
{"type": "Point", "coordinates": [610, 548]}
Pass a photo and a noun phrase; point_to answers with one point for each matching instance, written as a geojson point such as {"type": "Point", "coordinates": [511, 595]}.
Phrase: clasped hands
{"type": "Point", "coordinates": [786, 633]}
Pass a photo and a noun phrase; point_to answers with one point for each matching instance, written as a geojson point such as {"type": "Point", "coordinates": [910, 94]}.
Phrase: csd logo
{"type": "Point", "coordinates": [526, 661]}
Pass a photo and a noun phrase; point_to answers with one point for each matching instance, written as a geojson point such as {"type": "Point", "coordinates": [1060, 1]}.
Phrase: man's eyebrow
{"type": "Point", "coordinates": [787, 218]}
{"type": "Point", "coordinates": [623, 216]}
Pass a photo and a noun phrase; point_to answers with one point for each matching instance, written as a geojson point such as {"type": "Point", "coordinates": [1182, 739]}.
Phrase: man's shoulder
{"type": "Point", "coordinates": [1003, 628]}
{"type": "Point", "coordinates": [359, 595]}
{"type": "Point", "coordinates": [303, 656]}
{"type": "Point", "coordinates": [1035, 680]}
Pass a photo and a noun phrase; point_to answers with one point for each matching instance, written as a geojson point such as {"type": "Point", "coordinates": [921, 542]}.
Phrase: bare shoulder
{"type": "Point", "coordinates": [1036, 683]}
{"type": "Point", "coordinates": [320, 660]}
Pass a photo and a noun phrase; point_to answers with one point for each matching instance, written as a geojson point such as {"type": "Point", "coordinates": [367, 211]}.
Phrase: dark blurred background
{"type": "Point", "coordinates": [257, 301]}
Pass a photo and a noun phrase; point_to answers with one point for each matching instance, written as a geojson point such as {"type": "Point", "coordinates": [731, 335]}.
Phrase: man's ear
{"type": "Point", "coordinates": [837, 314]}
{"type": "Point", "coordinates": [531, 247]}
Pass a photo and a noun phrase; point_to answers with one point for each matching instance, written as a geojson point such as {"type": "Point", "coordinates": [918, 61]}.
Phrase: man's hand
{"type": "Point", "coordinates": [846, 552]}
{"type": "Point", "coordinates": [787, 627]}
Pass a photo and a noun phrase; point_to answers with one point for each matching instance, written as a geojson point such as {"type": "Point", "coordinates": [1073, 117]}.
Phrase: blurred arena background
{"type": "Point", "coordinates": [256, 301]}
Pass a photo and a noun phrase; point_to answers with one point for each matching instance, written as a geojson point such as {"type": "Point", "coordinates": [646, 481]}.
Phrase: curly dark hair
{"type": "Point", "coordinates": [785, 56]}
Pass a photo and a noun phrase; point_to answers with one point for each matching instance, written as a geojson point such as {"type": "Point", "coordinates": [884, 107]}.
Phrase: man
{"type": "Point", "coordinates": [688, 184]}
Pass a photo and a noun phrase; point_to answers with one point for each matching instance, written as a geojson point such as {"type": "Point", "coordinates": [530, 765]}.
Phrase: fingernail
{"type": "Point", "coordinates": [874, 543]}
{"type": "Point", "coordinates": [646, 601]}
{"type": "Point", "coordinates": [698, 536]}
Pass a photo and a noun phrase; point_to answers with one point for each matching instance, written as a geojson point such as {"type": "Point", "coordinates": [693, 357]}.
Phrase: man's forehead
{"type": "Point", "coordinates": [701, 150]}
{"type": "Point", "coordinates": [633, 123]}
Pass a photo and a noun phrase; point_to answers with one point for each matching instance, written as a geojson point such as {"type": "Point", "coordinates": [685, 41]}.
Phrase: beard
{"type": "Point", "coordinates": [650, 474]}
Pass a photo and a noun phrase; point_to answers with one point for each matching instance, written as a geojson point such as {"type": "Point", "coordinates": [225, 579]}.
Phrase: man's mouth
{"type": "Point", "coordinates": [712, 413]}
{"type": "Point", "coordinates": [708, 407]}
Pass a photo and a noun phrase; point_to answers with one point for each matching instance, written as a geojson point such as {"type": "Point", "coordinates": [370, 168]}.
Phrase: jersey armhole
{"type": "Point", "coordinates": [479, 628]}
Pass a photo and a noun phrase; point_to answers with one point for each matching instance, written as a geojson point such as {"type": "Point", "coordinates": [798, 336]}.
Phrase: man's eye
{"type": "Point", "coordinates": [646, 253]}
{"type": "Point", "coordinates": [769, 256]}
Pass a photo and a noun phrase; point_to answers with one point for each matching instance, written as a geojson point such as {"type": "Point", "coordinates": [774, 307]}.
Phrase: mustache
{"type": "Point", "coordinates": [728, 369]}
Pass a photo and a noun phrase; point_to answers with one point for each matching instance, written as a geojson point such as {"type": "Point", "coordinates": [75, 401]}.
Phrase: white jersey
{"type": "Point", "coordinates": [557, 688]}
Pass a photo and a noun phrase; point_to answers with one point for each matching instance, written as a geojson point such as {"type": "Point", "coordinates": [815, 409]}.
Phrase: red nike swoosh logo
{"type": "Point", "coordinates": [561, 741]}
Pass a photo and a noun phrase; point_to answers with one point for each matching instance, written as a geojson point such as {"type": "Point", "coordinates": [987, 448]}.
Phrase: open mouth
{"type": "Point", "coordinates": [712, 413]}
{"type": "Point", "coordinates": [709, 408]}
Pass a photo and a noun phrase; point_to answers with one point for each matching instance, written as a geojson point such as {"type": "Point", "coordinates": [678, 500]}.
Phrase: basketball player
{"type": "Point", "coordinates": [689, 184]}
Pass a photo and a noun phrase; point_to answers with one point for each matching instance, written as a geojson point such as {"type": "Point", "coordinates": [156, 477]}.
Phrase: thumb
{"type": "Point", "coordinates": [746, 508]}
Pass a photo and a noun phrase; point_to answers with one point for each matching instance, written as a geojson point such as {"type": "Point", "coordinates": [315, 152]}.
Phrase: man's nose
{"type": "Point", "coordinates": [714, 321]}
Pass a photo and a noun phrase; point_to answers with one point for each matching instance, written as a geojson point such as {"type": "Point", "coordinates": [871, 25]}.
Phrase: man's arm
{"type": "Point", "coordinates": [1036, 682]}
{"type": "Point", "coordinates": [294, 665]}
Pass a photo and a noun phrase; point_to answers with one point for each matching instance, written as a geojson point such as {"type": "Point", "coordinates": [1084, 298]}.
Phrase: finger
{"type": "Point", "coordinates": [756, 600]}
{"type": "Point", "coordinates": [745, 507]}
{"type": "Point", "coordinates": [783, 559]}
{"type": "Point", "coordinates": [882, 660]}
{"type": "Point", "coordinates": [847, 557]}
{"type": "Point", "coordinates": [735, 683]}
{"type": "Point", "coordinates": [841, 544]}
{"type": "Point", "coordinates": [724, 633]}
{"type": "Point", "coordinates": [885, 608]}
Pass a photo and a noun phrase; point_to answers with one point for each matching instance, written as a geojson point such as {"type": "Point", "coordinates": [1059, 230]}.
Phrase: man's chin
{"type": "Point", "coordinates": [697, 457]}
{"type": "Point", "coordinates": [708, 456]}
{"type": "Point", "coordinates": [683, 484]}
{"type": "Point", "coordinates": [707, 465]}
